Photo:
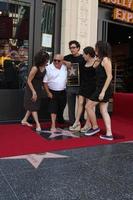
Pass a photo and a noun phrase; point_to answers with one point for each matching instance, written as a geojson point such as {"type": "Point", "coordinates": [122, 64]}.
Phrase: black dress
{"type": "Point", "coordinates": [37, 84]}
{"type": "Point", "coordinates": [88, 82]}
{"type": "Point", "coordinates": [100, 81]}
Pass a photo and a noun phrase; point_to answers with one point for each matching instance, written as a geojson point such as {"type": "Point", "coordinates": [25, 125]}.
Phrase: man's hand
{"type": "Point", "coordinates": [67, 63]}
{"type": "Point", "coordinates": [50, 95]}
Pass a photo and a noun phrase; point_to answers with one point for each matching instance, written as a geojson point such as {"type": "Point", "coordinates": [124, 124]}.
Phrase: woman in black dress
{"type": "Point", "coordinates": [33, 89]}
{"type": "Point", "coordinates": [103, 90]}
{"type": "Point", "coordinates": [87, 87]}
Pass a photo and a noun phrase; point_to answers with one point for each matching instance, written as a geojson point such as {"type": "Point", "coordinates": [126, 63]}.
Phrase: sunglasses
{"type": "Point", "coordinates": [56, 60]}
{"type": "Point", "coordinates": [72, 47]}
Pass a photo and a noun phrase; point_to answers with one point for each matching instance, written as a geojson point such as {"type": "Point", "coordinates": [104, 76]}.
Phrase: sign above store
{"type": "Point", "coordinates": [128, 4]}
{"type": "Point", "coordinates": [121, 14]}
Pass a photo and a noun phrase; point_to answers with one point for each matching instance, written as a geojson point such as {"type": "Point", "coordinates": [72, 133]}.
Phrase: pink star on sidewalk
{"type": "Point", "coordinates": [36, 159]}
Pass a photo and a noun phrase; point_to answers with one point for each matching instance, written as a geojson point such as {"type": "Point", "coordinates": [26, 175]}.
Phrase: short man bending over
{"type": "Point", "coordinates": [55, 85]}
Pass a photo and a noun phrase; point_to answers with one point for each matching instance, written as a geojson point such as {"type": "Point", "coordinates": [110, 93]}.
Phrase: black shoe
{"type": "Point", "coordinates": [106, 137]}
{"type": "Point", "coordinates": [92, 131]}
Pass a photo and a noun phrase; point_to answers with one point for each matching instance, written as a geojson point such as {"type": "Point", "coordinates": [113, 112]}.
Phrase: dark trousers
{"type": "Point", "coordinates": [57, 103]}
{"type": "Point", "coordinates": [72, 93]}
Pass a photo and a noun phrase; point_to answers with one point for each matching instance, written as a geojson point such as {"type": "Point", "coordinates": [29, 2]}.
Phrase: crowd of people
{"type": "Point", "coordinates": [95, 70]}
{"type": "Point", "coordinates": [13, 66]}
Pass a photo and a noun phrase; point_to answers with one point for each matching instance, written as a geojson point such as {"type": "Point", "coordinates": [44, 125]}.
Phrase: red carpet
{"type": "Point", "coordinates": [18, 140]}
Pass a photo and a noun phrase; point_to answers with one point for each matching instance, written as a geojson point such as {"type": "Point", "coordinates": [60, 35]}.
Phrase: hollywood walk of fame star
{"type": "Point", "coordinates": [72, 71]}
{"type": "Point", "coordinates": [60, 132]}
{"type": "Point", "coordinates": [35, 159]}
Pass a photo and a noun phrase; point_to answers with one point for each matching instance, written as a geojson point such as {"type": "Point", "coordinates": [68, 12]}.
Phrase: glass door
{"type": "Point", "coordinates": [48, 27]}
{"type": "Point", "coordinates": [16, 44]}
{"type": "Point", "coordinates": [51, 26]}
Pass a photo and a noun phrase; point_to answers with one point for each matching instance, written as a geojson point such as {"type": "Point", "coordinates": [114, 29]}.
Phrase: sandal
{"type": "Point", "coordinates": [53, 130]}
{"type": "Point", "coordinates": [38, 129]}
{"type": "Point", "coordinates": [26, 124]}
{"type": "Point", "coordinates": [85, 129]}
{"type": "Point", "coordinates": [75, 127]}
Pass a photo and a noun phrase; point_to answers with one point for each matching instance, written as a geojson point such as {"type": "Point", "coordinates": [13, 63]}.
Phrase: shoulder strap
{"type": "Point", "coordinates": [95, 62]}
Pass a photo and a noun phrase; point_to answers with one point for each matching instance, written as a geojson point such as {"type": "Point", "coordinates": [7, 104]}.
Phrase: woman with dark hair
{"type": "Point", "coordinates": [33, 89]}
{"type": "Point", "coordinates": [87, 87]}
{"type": "Point", "coordinates": [103, 92]}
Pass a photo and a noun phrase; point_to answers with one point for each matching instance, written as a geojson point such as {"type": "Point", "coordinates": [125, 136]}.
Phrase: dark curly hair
{"type": "Point", "coordinates": [89, 50]}
{"type": "Point", "coordinates": [104, 49]}
{"type": "Point", "coordinates": [41, 58]}
{"type": "Point", "coordinates": [74, 42]}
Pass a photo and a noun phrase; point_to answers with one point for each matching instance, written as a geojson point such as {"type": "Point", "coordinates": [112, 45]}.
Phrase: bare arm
{"type": "Point", "coordinates": [67, 63]}
{"type": "Point", "coordinates": [29, 82]}
{"type": "Point", "coordinates": [106, 63]}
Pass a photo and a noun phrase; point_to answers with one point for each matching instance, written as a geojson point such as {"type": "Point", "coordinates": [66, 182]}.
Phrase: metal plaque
{"type": "Point", "coordinates": [73, 78]}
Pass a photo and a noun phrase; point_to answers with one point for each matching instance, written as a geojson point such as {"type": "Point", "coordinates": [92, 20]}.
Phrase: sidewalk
{"type": "Point", "coordinates": [95, 173]}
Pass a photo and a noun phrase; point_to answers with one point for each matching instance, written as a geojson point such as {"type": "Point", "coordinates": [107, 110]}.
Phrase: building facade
{"type": "Point", "coordinates": [28, 25]}
{"type": "Point", "coordinates": [79, 21]}
{"type": "Point", "coordinates": [50, 24]}
{"type": "Point", "coordinates": [115, 25]}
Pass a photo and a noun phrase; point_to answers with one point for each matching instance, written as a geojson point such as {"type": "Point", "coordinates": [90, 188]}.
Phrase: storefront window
{"type": "Point", "coordinates": [48, 26]}
{"type": "Point", "coordinates": [14, 44]}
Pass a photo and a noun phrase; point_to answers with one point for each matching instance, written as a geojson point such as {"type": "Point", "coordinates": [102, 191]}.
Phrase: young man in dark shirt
{"type": "Point", "coordinates": [72, 91]}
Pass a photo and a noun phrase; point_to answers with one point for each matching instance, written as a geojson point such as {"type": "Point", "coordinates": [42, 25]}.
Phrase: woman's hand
{"type": "Point", "coordinates": [101, 96]}
{"type": "Point", "coordinates": [34, 96]}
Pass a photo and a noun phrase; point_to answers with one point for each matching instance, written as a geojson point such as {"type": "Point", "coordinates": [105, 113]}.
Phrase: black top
{"type": "Point", "coordinates": [100, 81]}
{"type": "Point", "coordinates": [88, 85]}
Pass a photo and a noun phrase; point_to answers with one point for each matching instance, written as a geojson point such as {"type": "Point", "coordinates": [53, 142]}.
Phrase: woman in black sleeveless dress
{"type": "Point", "coordinates": [87, 87]}
{"type": "Point", "coordinates": [33, 89]}
{"type": "Point", "coordinates": [103, 90]}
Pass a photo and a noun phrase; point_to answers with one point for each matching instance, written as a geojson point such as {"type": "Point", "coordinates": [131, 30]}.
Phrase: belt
{"type": "Point", "coordinates": [59, 92]}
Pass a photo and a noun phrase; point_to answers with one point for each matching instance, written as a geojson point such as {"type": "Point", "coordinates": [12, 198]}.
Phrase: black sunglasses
{"type": "Point", "coordinates": [56, 60]}
{"type": "Point", "coordinates": [73, 47]}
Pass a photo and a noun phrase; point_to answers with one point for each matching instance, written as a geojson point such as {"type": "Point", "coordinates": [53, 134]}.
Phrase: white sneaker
{"type": "Point", "coordinates": [85, 129]}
